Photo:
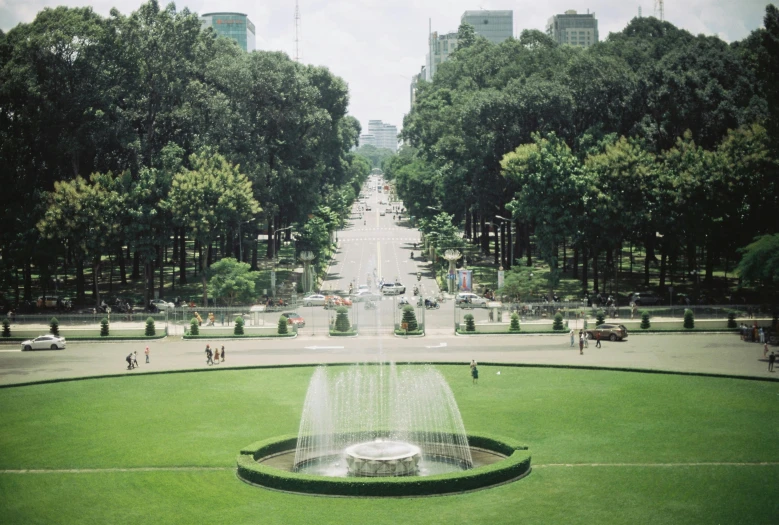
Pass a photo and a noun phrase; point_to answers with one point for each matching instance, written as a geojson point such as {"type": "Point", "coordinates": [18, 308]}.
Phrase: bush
{"type": "Point", "coordinates": [558, 322]}
{"type": "Point", "coordinates": [238, 327]}
{"type": "Point", "coordinates": [282, 329]}
{"type": "Point", "coordinates": [732, 319]}
{"type": "Point", "coordinates": [342, 319]}
{"type": "Point", "coordinates": [689, 319]}
{"type": "Point", "coordinates": [6, 327]}
{"type": "Point", "coordinates": [470, 326]}
{"type": "Point", "coordinates": [54, 326]}
{"type": "Point", "coordinates": [410, 318]}
{"type": "Point", "coordinates": [194, 327]}
{"type": "Point", "coordinates": [150, 330]}
{"type": "Point", "coordinates": [514, 327]}
{"type": "Point", "coordinates": [645, 320]}
{"type": "Point", "coordinates": [104, 327]}
{"type": "Point", "coordinates": [600, 317]}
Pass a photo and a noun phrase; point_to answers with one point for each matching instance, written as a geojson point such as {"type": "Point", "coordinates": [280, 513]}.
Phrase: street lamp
{"type": "Point", "coordinates": [509, 254]}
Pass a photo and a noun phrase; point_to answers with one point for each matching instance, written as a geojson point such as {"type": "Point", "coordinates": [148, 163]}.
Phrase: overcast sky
{"type": "Point", "coordinates": [377, 45]}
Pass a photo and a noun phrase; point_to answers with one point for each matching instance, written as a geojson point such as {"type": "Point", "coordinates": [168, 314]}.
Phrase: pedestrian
{"type": "Point", "coordinates": [147, 354]}
{"type": "Point", "coordinates": [216, 355]}
{"type": "Point", "coordinates": [135, 359]}
{"type": "Point", "coordinates": [771, 360]}
{"type": "Point", "coordinates": [572, 334]}
{"type": "Point", "coordinates": [633, 309]}
{"type": "Point", "coordinates": [209, 360]}
{"type": "Point", "coordinates": [129, 360]}
{"type": "Point", "coordinates": [581, 343]}
{"type": "Point", "coordinates": [586, 343]}
{"type": "Point", "coordinates": [475, 372]}
{"type": "Point", "coordinates": [765, 349]}
{"type": "Point", "coordinates": [491, 317]}
{"type": "Point", "coordinates": [597, 340]}
{"type": "Point", "coordinates": [761, 335]}
{"type": "Point", "coordinates": [223, 353]}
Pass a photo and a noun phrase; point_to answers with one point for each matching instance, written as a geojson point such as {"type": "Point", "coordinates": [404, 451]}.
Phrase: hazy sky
{"type": "Point", "coordinates": [377, 45]}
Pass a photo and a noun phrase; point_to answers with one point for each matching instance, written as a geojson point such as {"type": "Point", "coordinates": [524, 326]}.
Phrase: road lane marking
{"type": "Point", "coordinates": [323, 347]}
{"type": "Point", "coordinates": [440, 345]}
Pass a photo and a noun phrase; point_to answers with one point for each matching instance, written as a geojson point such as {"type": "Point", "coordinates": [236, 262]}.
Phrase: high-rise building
{"type": "Point", "coordinates": [415, 80]}
{"type": "Point", "coordinates": [573, 29]}
{"type": "Point", "coordinates": [380, 135]}
{"type": "Point", "coordinates": [495, 26]}
{"type": "Point", "coordinates": [232, 25]}
{"type": "Point", "coordinates": [440, 47]}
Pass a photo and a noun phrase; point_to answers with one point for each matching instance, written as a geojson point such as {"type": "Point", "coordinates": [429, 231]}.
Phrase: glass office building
{"type": "Point", "coordinates": [495, 26]}
{"type": "Point", "coordinates": [573, 29]}
{"type": "Point", "coordinates": [231, 25]}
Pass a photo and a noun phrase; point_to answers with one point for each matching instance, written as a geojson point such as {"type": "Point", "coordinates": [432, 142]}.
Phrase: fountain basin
{"type": "Point", "coordinates": [381, 458]}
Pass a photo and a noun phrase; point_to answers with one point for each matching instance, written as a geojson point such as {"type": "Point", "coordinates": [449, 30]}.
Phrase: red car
{"type": "Point", "coordinates": [295, 319]}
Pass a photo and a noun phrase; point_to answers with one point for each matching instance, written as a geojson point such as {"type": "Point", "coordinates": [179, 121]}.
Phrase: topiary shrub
{"type": "Point", "coordinates": [732, 319]}
{"type": "Point", "coordinates": [54, 326]}
{"type": "Point", "coordinates": [150, 330]}
{"type": "Point", "coordinates": [194, 327]}
{"type": "Point", "coordinates": [514, 326]}
{"type": "Point", "coordinates": [558, 322]}
{"type": "Point", "coordinates": [342, 319]}
{"type": "Point", "coordinates": [282, 326]}
{"type": "Point", "coordinates": [238, 327]}
{"type": "Point", "coordinates": [410, 318]}
{"type": "Point", "coordinates": [689, 319]}
{"type": "Point", "coordinates": [470, 326]}
{"type": "Point", "coordinates": [104, 327]}
{"type": "Point", "coordinates": [645, 320]}
{"type": "Point", "coordinates": [600, 317]}
{"type": "Point", "coordinates": [6, 327]}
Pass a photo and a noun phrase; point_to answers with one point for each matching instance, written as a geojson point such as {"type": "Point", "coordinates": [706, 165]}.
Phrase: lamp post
{"type": "Point", "coordinates": [452, 256]}
{"type": "Point", "coordinates": [509, 254]}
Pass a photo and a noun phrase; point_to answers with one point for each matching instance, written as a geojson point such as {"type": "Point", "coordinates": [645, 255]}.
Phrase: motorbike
{"type": "Point", "coordinates": [431, 304]}
{"type": "Point", "coordinates": [416, 290]}
{"type": "Point", "coordinates": [403, 302]}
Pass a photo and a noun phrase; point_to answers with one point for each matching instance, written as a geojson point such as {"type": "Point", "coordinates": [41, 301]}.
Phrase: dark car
{"type": "Point", "coordinates": [645, 298]}
{"type": "Point", "coordinates": [612, 332]}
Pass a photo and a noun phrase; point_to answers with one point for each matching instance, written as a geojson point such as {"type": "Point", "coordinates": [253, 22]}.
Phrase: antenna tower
{"type": "Point", "coordinates": [639, 11]}
{"type": "Point", "coordinates": [660, 9]}
{"type": "Point", "coordinates": [297, 32]}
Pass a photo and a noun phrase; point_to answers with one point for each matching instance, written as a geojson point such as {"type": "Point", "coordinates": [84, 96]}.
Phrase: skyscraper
{"type": "Point", "coordinates": [495, 26]}
{"type": "Point", "coordinates": [231, 25]}
{"type": "Point", "coordinates": [440, 47]}
{"type": "Point", "coordinates": [381, 135]}
{"type": "Point", "coordinates": [573, 29]}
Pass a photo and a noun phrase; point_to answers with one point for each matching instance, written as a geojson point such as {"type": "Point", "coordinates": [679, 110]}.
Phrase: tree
{"type": "Point", "coordinates": [760, 261]}
{"type": "Point", "coordinates": [194, 326]}
{"type": "Point", "coordinates": [514, 326]}
{"type": "Point", "coordinates": [410, 318]}
{"type": "Point", "coordinates": [689, 319]}
{"type": "Point", "coordinates": [207, 198]}
{"type": "Point", "coordinates": [470, 326]}
{"type": "Point", "coordinates": [104, 327]}
{"type": "Point", "coordinates": [282, 325]}
{"type": "Point", "coordinates": [232, 281]}
{"type": "Point", "coordinates": [342, 319]}
{"type": "Point", "coordinates": [521, 283]}
{"type": "Point", "coordinates": [645, 324]}
{"type": "Point", "coordinates": [238, 328]}
{"type": "Point", "coordinates": [150, 330]}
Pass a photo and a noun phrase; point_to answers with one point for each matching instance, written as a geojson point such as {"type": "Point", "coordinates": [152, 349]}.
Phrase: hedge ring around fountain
{"type": "Point", "coordinates": [381, 431]}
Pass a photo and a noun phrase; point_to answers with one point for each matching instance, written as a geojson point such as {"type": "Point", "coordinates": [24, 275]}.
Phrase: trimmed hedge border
{"type": "Point", "coordinates": [244, 336]}
{"type": "Point", "coordinates": [336, 333]}
{"type": "Point", "coordinates": [515, 466]}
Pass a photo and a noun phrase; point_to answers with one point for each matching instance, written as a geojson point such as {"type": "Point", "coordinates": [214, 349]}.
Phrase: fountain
{"type": "Point", "coordinates": [376, 421]}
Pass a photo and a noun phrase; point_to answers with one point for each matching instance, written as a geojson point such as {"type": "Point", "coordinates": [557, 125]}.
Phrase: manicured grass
{"type": "Point", "coordinates": [566, 417]}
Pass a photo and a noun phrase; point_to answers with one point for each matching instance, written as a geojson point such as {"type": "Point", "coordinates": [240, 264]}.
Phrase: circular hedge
{"type": "Point", "coordinates": [516, 465]}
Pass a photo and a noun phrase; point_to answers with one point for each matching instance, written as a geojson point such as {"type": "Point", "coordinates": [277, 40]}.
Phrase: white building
{"type": "Point", "coordinates": [573, 29]}
{"type": "Point", "coordinates": [495, 26]}
{"type": "Point", "coordinates": [384, 135]}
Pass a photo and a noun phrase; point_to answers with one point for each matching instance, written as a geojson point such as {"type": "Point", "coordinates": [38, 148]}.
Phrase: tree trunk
{"type": "Point", "coordinates": [122, 266]}
{"type": "Point", "coordinates": [663, 262]}
{"type": "Point", "coordinates": [182, 257]}
{"type": "Point", "coordinates": [517, 255]}
{"type": "Point", "coordinates": [80, 284]}
{"type": "Point", "coordinates": [96, 280]}
{"type": "Point", "coordinates": [254, 256]}
{"type": "Point", "coordinates": [468, 232]}
{"type": "Point", "coordinates": [27, 279]}
{"type": "Point", "coordinates": [484, 235]}
{"type": "Point", "coordinates": [175, 248]}
{"type": "Point", "coordinates": [136, 265]}
{"type": "Point", "coordinates": [528, 246]}
{"type": "Point", "coordinates": [565, 257]}
{"type": "Point", "coordinates": [111, 275]}
{"type": "Point", "coordinates": [595, 276]}
{"type": "Point", "coordinates": [576, 262]}
{"type": "Point", "coordinates": [210, 255]}
{"type": "Point", "coordinates": [161, 262]}
{"type": "Point", "coordinates": [203, 280]}
{"type": "Point", "coordinates": [710, 256]}
{"type": "Point", "coordinates": [585, 269]}
{"type": "Point", "coordinates": [270, 250]}
{"type": "Point", "coordinates": [498, 253]}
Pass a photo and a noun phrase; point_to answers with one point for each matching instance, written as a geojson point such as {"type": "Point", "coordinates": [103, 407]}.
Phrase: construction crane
{"type": "Point", "coordinates": [660, 9]}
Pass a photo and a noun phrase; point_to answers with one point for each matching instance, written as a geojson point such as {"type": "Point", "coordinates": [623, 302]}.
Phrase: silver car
{"type": "Point", "coordinates": [470, 300]}
{"type": "Point", "coordinates": [44, 342]}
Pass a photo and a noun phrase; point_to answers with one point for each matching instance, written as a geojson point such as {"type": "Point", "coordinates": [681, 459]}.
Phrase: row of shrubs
{"type": "Point", "coordinates": [516, 465]}
{"type": "Point", "coordinates": [54, 327]}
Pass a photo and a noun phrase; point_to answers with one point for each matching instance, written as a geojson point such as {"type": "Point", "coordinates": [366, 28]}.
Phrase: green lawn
{"type": "Point", "coordinates": [627, 424]}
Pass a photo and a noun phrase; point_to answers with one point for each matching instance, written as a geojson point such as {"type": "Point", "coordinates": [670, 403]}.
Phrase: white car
{"type": "Point", "coordinates": [365, 295]}
{"type": "Point", "coordinates": [44, 342]}
{"type": "Point", "coordinates": [162, 305]}
{"type": "Point", "coordinates": [393, 289]}
{"type": "Point", "coordinates": [314, 300]}
{"type": "Point", "coordinates": [470, 300]}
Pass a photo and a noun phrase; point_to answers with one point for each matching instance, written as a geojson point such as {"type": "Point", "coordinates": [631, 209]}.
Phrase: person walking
{"type": "Point", "coordinates": [765, 349]}
{"type": "Point", "coordinates": [581, 343]}
{"type": "Point", "coordinates": [597, 340]}
{"type": "Point", "coordinates": [771, 361]}
{"type": "Point", "coordinates": [129, 360]}
{"type": "Point", "coordinates": [573, 335]}
{"type": "Point", "coordinates": [216, 355]}
{"type": "Point", "coordinates": [209, 360]}
{"type": "Point", "coordinates": [475, 372]}
{"type": "Point", "coordinates": [223, 353]}
{"type": "Point", "coordinates": [147, 354]}
{"type": "Point", "coordinates": [135, 359]}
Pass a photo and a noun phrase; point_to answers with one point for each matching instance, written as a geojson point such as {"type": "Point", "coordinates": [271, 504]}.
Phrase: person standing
{"type": "Point", "coordinates": [475, 372]}
{"type": "Point", "coordinates": [581, 343]}
{"type": "Point", "coordinates": [771, 361]}
{"type": "Point", "coordinates": [223, 353]}
{"type": "Point", "coordinates": [761, 335]}
{"type": "Point", "coordinates": [572, 334]}
{"type": "Point", "coordinates": [216, 355]}
{"type": "Point", "coordinates": [135, 359]}
{"type": "Point", "coordinates": [597, 339]}
{"type": "Point", "coordinates": [147, 354]}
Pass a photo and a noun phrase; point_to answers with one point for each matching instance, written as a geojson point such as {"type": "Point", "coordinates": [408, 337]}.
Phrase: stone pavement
{"type": "Point", "coordinates": [707, 353]}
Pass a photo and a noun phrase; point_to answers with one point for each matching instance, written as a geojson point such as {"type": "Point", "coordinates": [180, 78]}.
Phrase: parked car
{"type": "Point", "coordinates": [316, 299]}
{"type": "Point", "coordinates": [393, 289]}
{"type": "Point", "coordinates": [294, 319]}
{"type": "Point", "coordinates": [466, 299]}
{"type": "Point", "coordinates": [161, 305]}
{"type": "Point", "coordinates": [612, 332]}
{"type": "Point", "coordinates": [382, 213]}
{"type": "Point", "coordinates": [44, 342]}
{"type": "Point", "coordinates": [365, 295]}
{"type": "Point", "coordinates": [645, 298]}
